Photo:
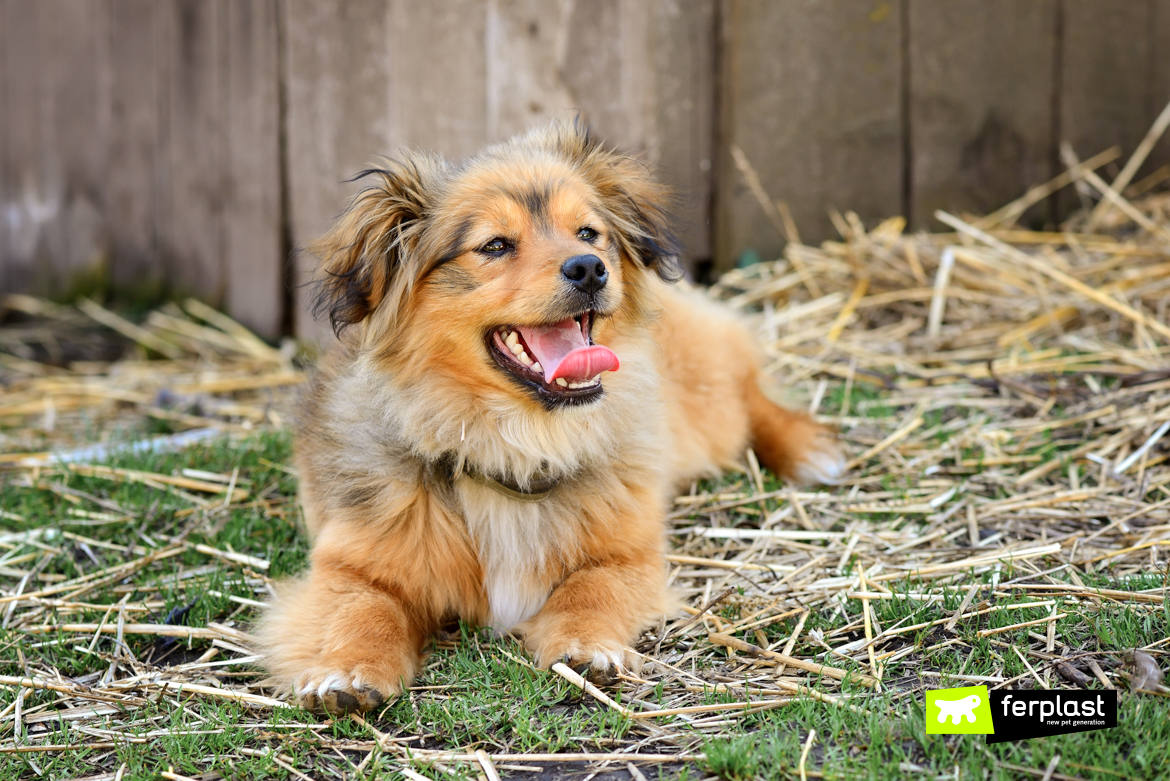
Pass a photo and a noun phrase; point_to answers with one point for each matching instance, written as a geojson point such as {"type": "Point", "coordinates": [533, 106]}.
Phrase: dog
{"type": "Point", "coordinates": [496, 435]}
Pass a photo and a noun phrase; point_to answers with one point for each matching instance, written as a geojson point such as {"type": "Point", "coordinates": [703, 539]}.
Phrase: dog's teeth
{"type": "Point", "coordinates": [562, 382]}
{"type": "Point", "coordinates": [512, 340]}
{"type": "Point", "coordinates": [591, 382]}
{"type": "Point", "coordinates": [536, 367]}
{"type": "Point", "coordinates": [523, 356]}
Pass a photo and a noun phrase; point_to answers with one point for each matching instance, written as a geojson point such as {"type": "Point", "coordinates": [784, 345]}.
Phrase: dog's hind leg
{"type": "Point", "coordinates": [715, 406]}
{"type": "Point", "coordinates": [791, 443]}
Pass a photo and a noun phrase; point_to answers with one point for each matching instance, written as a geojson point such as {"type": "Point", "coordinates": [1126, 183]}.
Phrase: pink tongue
{"type": "Point", "coordinates": [562, 351]}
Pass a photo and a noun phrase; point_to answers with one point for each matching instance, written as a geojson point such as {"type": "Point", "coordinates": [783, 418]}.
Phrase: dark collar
{"type": "Point", "coordinates": [536, 490]}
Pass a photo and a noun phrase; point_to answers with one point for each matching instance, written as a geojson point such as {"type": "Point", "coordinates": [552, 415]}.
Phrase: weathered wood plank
{"type": "Point", "coordinates": [1159, 85]}
{"type": "Point", "coordinates": [606, 68]}
{"type": "Point", "coordinates": [337, 74]}
{"type": "Point", "coordinates": [56, 129]}
{"type": "Point", "coordinates": [6, 274]}
{"type": "Point", "coordinates": [193, 235]}
{"type": "Point", "coordinates": [26, 205]}
{"type": "Point", "coordinates": [75, 98]}
{"type": "Point", "coordinates": [682, 134]}
{"type": "Point", "coordinates": [251, 214]}
{"type": "Point", "coordinates": [1106, 78]}
{"type": "Point", "coordinates": [437, 76]}
{"type": "Point", "coordinates": [811, 94]}
{"type": "Point", "coordinates": [526, 80]}
{"type": "Point", "coordinates": [981, 95]}
{"type": "Point", "coordinates": [135, 175]}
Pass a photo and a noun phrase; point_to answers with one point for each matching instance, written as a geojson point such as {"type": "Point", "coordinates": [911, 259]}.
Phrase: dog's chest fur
{"type": "Point", "coordinates": [525, 549]}
{"type": "Point", "coordinates": [520, 544]}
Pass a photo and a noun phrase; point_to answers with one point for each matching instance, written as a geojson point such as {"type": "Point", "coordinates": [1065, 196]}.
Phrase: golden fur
{"type": "Point", "coordinates": [409, 411]}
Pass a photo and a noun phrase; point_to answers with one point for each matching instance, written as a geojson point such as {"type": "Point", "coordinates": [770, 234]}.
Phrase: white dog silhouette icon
{"type": "Point", "coordinates": [957, 710]}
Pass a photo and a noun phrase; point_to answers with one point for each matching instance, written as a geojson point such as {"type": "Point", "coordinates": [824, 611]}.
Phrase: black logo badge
{"type": "Point", "coordinates": [1037, 713]}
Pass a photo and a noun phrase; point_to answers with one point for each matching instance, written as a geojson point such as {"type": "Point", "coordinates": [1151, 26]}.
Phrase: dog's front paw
{"type": "Point", "coordinates": [338, 693]}
{"type": "Point", "coordinates": [598, 660]}
{"type": "Point", "coordinates": [339, 646]}
{"type": "Point", "coordinates": [821, 461]}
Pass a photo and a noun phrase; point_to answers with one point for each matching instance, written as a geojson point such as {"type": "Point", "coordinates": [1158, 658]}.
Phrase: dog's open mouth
{"type": "Point", "coordinates": [559, 360]}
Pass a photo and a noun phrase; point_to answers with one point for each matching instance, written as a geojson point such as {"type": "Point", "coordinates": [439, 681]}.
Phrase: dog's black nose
{"type": "Point", "coordinates": [586, 273]}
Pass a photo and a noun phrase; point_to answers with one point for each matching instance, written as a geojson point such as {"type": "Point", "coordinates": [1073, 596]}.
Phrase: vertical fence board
{"type": "Point", "coordinates": [7, 282]}
{"type": "Point", "coordinates": [438, 78]}
{"type": "Point", "coordinates": [980, 102]}
{"type": "Point", "coordinates": [252, 219]}
{"type": "Point", "coordinates": [75, 63]}
{"type": "Point", "coordinates": [811, 96]}
{"type": "Point", "coordinates": [597, 74]}
{"type": "Point", "coordinates": [194, 250]}
{"type": "Point", "coordinates": [133, 176]}
{"type": "Point", "coordinates": [1105, 77]}
{"type": "Point", "coordinates": [338, 108]}
{"type": "Point", "coordinates": [526, 80]}
{"type": "Point", "coordinates": [55, 131]}
{"type": "Point", "coordinates": [682, 138]}
{"type": "Point", "coordinates": [25, 200]}
{"type": "Point", "coordinates": [1159, 88]}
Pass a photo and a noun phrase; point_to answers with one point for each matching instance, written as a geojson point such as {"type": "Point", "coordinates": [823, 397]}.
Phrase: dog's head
{"type": "Point", "coordinates": [509, 272]}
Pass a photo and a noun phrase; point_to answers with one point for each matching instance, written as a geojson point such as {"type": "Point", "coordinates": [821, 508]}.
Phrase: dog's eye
{"type": "Point", "coordinates": [496, 246]}
{"type": "Point", "coordinates": [587, 234]}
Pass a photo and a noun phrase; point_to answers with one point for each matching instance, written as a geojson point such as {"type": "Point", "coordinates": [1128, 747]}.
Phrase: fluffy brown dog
{"type": "Point", "coordinates": [471, 449]}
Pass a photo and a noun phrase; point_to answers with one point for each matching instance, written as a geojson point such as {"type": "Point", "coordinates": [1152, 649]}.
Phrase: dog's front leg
{"type": "Point", "coordinates": [342, 643]}
{"type": "Point", "coordinates": [597, 613]}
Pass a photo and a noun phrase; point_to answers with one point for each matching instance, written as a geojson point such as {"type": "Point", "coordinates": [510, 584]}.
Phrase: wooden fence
{"type": "Point", "coordinates": [190, 145]}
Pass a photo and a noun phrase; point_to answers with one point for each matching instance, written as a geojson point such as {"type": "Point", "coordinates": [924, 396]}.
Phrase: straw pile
{"type": "Point", "coordinates": [68, 372]}
{"type": "Point", "coordinates": [1006, 397]}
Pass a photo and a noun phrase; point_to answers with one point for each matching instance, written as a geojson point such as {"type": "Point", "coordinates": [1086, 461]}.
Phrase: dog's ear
{"type": "Point", "coordinates": [365, 255]}
{"type": "Point", "coordinates": [637, 205]}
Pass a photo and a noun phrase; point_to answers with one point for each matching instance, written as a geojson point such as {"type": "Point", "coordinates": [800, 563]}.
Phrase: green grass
{"type": "Point", "coordinates": [481, 692]}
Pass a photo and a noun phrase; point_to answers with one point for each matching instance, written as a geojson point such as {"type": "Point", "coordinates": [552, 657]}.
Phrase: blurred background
{"type": "Point", "coordinates": [188, 147]}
